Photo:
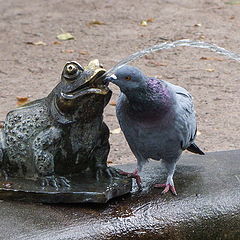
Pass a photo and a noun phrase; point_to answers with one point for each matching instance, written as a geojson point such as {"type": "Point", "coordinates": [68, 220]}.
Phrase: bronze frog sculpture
{"type": "Point", "coordinates": [62, 134]}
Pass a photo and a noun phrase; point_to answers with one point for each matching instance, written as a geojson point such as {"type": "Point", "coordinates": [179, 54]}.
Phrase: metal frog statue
{"type": "Point", "coordinates": [59, 144]}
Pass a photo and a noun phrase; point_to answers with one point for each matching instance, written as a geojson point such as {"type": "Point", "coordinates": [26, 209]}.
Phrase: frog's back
{"type": "Point", "coordinates": [20, 128]}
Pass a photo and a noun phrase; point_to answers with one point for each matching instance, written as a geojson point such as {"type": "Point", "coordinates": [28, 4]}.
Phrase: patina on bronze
{"type": "Point", "coordinates": [55, 149]}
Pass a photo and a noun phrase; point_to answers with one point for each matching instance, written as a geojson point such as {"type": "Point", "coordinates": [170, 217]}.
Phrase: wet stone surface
{"type": "Point", "coordinates": [207, 207]}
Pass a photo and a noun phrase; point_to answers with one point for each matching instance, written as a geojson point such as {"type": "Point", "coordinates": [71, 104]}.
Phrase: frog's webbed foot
{"type": "Point", "coordinates": [106, 172]}
{"type": "Point", "coordinates": [4, 174]}
{"type": "Point", "coordinates": [1, 154]}
{"type": "Point", "coordinates": [54, 181]}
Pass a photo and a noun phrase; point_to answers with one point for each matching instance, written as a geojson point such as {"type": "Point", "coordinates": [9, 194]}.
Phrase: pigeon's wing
{"type": "Point", "coordinates": [186, 115]}
{"type": "Point", "coordinates": [182, 92]}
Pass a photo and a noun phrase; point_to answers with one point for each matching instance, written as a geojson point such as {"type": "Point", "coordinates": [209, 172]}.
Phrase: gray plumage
{"type": "Point", "coordinates": [156, 117]}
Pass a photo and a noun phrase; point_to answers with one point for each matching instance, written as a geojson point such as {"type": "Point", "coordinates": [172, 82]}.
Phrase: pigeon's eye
{"type": "Point", "coordinates": [128, 78]}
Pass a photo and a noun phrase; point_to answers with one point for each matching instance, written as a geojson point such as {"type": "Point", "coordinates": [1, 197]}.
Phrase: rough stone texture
{"type": "Point", "coordinates": [33, 70]}
{"type": "Point", "coordinates": [207, 207]}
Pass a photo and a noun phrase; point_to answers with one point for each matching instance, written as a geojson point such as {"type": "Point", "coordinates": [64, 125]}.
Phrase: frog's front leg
{"type": "Point", "coordinates": [1, 162]}
{"type": "Point", "coordinates": [100, 155]}
{"type": "Point", "coordinates": [45, 146]}
{"type": "Point", "coordinates": [1, 157]}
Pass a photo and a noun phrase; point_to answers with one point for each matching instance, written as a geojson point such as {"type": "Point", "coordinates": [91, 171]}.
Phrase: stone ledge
{"type": "Point", "coordinates": [207, 207]}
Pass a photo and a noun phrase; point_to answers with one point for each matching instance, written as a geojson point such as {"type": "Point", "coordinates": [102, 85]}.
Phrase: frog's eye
{"type": "Point", "coordinates": [128, 78]}
{"type": "Point", "coordinates": [72, 70]}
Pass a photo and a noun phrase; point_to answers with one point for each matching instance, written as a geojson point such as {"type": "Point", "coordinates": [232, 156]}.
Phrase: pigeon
{"type": "Point", "coordinates": [157, 119]}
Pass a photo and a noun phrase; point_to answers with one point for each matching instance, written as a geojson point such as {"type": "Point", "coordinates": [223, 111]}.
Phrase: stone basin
{"type": "Point", "coordinates": [207, 207]}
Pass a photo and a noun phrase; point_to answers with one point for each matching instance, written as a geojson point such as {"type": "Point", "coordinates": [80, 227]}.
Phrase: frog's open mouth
{"type": "Point", "coordinates": [95, 85]}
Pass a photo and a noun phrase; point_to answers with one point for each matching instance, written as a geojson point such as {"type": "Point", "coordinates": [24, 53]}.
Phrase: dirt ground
{"type": "Point", "coordinates": [111, 30]}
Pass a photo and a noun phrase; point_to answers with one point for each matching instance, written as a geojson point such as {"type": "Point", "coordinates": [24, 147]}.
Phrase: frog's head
{"type": "Point", "coordinates": [77, 81]}
{"type": "Point", "coordinates": [81, 94]}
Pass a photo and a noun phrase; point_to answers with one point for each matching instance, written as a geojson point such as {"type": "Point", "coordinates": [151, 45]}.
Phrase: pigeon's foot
{"type": "Point", "coordinates": [133, 175]}
{"type": "Point", "coordinates": [166, 189]}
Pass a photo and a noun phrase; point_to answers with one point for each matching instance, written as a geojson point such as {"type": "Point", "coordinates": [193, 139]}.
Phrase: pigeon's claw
{"type": "Point", "coordinates": [166, 189]}
{"type": "Point", "coordinates": [134, 175]}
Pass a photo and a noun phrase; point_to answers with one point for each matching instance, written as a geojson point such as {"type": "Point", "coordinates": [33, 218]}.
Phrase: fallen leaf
{"type": "Point", "coordinates": [115, 131]}
{"type": "Point", "coordinates": [1, 124]}
{"type": "Point", "coordinates": [150, 20]}
{"type": "Point", "coordinates": [109, 161]}
{"type": "Point", "coordinates": [210, 69]}
{"type": "Point", "coordinates": [68, 51]}
{"type": "Point", "coordinates": [57, 43]}
{"type": "Point", "coordinates": [22, 100]}
{"type": "Point", "coordinates": [202, 37]}
{"type": "Point", "coordinates": [83, 52]}
{"type": "Point", "coordinates": [38, 43]}
{"type": "Point", "coordinates": [96, 22]}
{"type": "Point", "coordinates": [112, 103]}
{"type": "Point", "coordinates": [144, 23]}
{"type": "Point", "coordinates": [197, 25]}
{"type": "Point", "coordinates": [233, 2]}
{"type": "Point", "coordinates": [212, 58]}
{"type": "Point", "coordinates": [65, 36]}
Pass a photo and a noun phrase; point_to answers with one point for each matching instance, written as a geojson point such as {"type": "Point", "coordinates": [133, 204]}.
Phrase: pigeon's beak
{"type": "Point", "coordinates": [111, 78]}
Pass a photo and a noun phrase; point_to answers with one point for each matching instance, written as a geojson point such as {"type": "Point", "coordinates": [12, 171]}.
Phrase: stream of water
{"type": "Point", "coordinates": [169, 45]}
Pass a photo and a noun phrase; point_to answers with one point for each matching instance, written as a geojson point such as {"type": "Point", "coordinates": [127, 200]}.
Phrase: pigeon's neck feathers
{"type": "Point", "coordinates": [154, 95]}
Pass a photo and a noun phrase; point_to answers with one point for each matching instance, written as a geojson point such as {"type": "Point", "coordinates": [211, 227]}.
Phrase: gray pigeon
{"type": "Point", "coordinates": [157, 119]}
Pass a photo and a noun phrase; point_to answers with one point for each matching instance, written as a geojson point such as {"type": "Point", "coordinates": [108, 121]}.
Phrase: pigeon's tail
{"type": "Point", "coordinates": [195, 149]}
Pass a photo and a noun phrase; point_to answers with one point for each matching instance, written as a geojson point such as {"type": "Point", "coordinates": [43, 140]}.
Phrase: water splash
{"type": "Point", "coordinates": [169, 45]}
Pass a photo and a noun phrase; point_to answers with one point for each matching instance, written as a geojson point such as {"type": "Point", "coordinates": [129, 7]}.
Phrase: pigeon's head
{"type": "Point", "coordinates": [128, 78]}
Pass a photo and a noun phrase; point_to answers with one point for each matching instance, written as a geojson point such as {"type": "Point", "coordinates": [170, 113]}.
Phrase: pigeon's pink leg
{"type": "Point", "coordinates": [133, 175]}
{"type": "Point", "coordinates": [169, 185]}
{"type": "Point", "coordinates": [166, 187]}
